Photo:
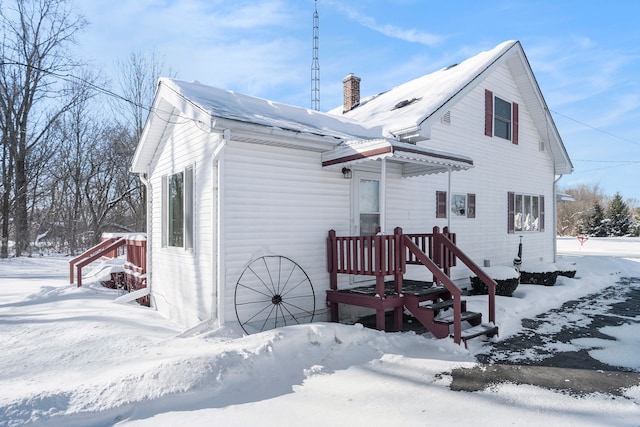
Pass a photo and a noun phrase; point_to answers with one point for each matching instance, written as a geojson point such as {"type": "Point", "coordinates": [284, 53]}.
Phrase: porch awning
{"type": "Point", "coordinates": [416, 160]}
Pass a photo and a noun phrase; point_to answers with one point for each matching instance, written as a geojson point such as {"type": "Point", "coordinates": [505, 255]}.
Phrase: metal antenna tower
{"type": "Point", "coordinates": [315, 64]}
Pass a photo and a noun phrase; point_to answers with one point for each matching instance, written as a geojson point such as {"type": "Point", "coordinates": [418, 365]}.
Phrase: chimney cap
{"type": "Point", "coordinates": [349, 77]}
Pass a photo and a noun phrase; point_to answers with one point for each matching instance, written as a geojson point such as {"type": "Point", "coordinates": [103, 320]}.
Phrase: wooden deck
{"type": "Point", "coordinates": [388, 255]}
{"type": "Point", "coordinates": [130, 249]}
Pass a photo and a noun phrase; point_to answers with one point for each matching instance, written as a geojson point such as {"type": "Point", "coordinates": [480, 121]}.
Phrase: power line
{"type": "Point", "coordinates": [617, 164]}
{"type": "Point", "coordinates": [597, 129]}
{"type": "Point", "coordinates": [606, 161]}
{"type": "Point", "coordinates": [68, 77]}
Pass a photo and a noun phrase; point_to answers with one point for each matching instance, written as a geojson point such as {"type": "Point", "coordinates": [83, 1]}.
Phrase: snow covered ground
{"type": "Point", "coordinates": [72, 357]}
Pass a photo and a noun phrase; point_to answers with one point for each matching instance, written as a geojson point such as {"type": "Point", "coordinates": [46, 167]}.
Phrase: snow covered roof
{"type": "Point", "coordinates": [405, 107]}
{"type": "Point", "coordinates": [407, 111]}
{"type": "Point", "coordinates": [249, 109]}
{"type": "Point", "coordinates": [404, 113]}
{"type": "Point", "coordinates": [176, 100]}
{"type": "Point", "coordinates": [206, 104]}
{"type": "Point", "coordinates": [563, 197]}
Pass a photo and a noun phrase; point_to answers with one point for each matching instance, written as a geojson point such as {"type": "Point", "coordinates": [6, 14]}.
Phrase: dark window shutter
{"type": "Point", "coordinates": [514, 137]}
{"type": "Point", "coordinates": [471, 205]}
{"type": "Point", "coordinates": [441, 204]}
{"type": "Point", "coordinates": [488, 112]}
{"type": "Point", "coordinates": [541, 221]}
{"type": "Point", "coordinates": [511, 212]}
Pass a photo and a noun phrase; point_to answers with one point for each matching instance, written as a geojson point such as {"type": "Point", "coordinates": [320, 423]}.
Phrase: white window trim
{"type": "Point", "coordinates": [188, 212]}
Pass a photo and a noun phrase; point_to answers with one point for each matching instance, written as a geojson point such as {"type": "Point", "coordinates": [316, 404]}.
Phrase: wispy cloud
{"type": "Point", "coordinates": [576, 69]}
{"type": "Point", "coordinates": [407, 34]}
{"type": "Point", "coordinates": [237, 45]}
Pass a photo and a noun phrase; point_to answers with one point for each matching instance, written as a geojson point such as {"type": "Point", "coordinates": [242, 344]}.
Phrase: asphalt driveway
{"type": "Point", "coordinates": [548, 352]}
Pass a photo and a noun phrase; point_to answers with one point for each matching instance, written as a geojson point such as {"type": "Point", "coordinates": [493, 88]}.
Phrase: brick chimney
{"type": "Point", "coordinates": [351, 85]}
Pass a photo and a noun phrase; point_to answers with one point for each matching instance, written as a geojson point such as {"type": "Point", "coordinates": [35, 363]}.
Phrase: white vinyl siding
{"type": "Point", "coordinates": [498, 169]}
{"type": "Point", "coordinates": [279, 201]}
{"type": "Point", "coordinates": [182, 278]}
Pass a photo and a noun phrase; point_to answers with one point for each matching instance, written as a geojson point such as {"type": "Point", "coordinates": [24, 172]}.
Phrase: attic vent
{"type": "Point", "coordinates": [446, 118]}
{"type": "Point", "coordinates": [450, 66]}
{"type": "Point", "coordinates": [405, 102]}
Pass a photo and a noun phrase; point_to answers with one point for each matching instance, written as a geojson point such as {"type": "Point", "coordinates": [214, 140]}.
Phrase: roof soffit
{"type": "Point", "coordinates": [161, 119]}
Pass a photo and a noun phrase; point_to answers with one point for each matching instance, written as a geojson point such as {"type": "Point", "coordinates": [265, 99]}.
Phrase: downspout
{"type": "Point", "coordinates": [383, 196]}
{"type": "Point", "coordinates": [555, 218]}
{"type": "Point", "coordinates": [449, 198]}
{"type": "Point", "coordinates": [218, 155]}
{"type": "Point", "coordinates": [148, 192]}
{"type": "Point", "coordinates": [554, 190]}
{"type": "Point", "coordinates": [217, 248]}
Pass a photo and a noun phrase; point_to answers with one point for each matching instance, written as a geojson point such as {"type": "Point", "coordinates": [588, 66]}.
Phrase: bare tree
{"type": "Point", "coordinates": [108, 183]}
{"type": "Point", "coordinates": [35, 35]}
{"type": "Point", "coordinates": [6, 202]}
{"type": "Point", "coordinates": [572, 215]}
{"type": "Point", "coordinates": [137, 80]}
{"type": "Point", "coordinates": [77, 132]}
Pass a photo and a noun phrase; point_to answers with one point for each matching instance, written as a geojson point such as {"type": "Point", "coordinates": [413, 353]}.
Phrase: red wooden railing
{"type": "Point", "coordinates": [388, 255]}
{"type": "Point", "coordinates": [135, 266]}
{"type": "Point", "coordinates": [484, 277]}
{"type": "Point", "coordinates": [432, 247]}
{"type": "Point", "coordinates": [106, 251]}
{"type": "Point", "coordinates": [442, 278]}
{"type": "Point", "coordinates": [89, 252]}
{"type": "Point", "coordinates": [377, 256]}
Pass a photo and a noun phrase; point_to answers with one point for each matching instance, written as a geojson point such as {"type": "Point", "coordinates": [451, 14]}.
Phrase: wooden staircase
{"type": "Point", "coordinates": [440, 309]}
{"type": "Point", "coordinates": [133, 247]}
{"type": "Point", "coordinates": [434, 310]}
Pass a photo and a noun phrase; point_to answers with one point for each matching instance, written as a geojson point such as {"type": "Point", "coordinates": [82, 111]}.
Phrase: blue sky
{"type": "Point", "coordinates": [585, 55]}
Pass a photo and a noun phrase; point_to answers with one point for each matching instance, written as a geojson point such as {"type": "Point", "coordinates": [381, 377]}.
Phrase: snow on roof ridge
{"type": "Point", "coordinates": [373, 118]}
{"type": "Point", "coordinates": [435, 89]}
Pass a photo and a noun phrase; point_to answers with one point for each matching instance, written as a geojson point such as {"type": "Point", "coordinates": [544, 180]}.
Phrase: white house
{"type": "Point", "coordinates": [242, 191]}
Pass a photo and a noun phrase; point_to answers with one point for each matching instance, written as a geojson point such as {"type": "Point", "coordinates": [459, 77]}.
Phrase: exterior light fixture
{"type": "Point", "coordinates": [346, 172]}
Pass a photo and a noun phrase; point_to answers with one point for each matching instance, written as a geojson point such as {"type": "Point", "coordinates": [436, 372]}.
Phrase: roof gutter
{"type": "Point", "coordinates": [250, 132]}
{"type": "Point", "coordinates": [411, 134]}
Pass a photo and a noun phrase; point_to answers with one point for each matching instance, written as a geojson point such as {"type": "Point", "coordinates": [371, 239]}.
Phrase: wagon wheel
{"type": "Point", "coordinates": [273, 291]}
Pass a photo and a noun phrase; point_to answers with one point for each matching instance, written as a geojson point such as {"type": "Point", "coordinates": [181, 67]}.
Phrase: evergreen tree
{"type": "Point", "coordinates": [619, 217]}
{"type": "Point", "coordinates": [595, 221]}
{"type": "Point", "coordinates": [635, 224]}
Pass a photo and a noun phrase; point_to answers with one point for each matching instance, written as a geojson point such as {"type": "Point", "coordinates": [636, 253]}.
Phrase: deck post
{"type": "Point", "coordinates": [380, 320]}
{"type": "Point", "coordinates": [437, 247]}
{"type": "Point", "coordinates": [378, 271]}
{"type": "Point", "coordinates": [332, 267]}
{"type": "Point", "coordinates": [399, 270]}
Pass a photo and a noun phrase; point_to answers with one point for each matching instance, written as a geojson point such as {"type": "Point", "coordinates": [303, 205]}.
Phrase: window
{"type": "Point", "coordinates": [458, 205]}
{"type": "Point", "coordinates": [177, 209]}
{"type": "Point", "coordinates": [461, 205]}
{"type": "Point", "coordinates": [525, 213]}
{"type": "Point", "coordinates": [369, 203]}
{"type": "Point", "coordinates": [501, 117]}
